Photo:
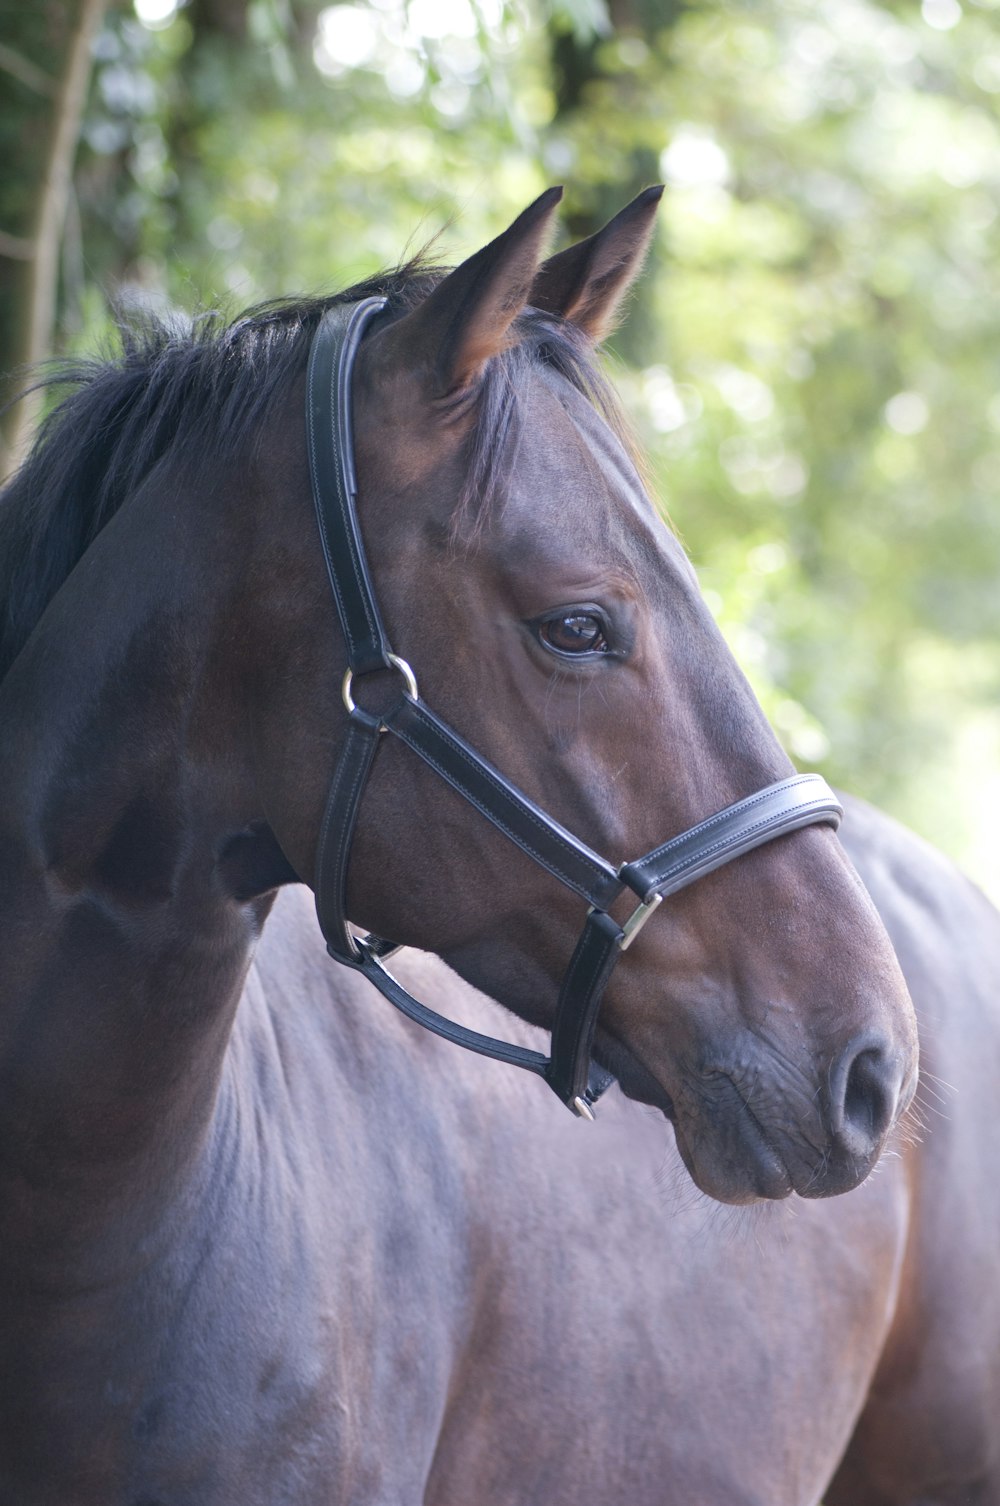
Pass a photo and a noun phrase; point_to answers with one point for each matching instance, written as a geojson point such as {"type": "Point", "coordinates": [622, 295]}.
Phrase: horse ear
{"type": "Point", "coordinates": [587, 282]}
{"type": "Point", "coordinates": [466, 319]}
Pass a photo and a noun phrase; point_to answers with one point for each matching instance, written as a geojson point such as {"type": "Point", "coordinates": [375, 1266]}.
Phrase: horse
{"type": "Point", "coordinates": [263, 1239]}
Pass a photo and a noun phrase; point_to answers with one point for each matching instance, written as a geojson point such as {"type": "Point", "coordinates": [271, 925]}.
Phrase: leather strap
{"type": "Point", "coordinates": [330, 437]}
{"type": "Point", "coordinates": [783, 807]}
{"type": "Point", "coordinates": [570, 1073]}
{"type": "Point", "coordinates": [334, 848]}
{"type": "Point", "coordinates": [459, 1035]}
{"type": "Point", "coordinates": [542, 838]}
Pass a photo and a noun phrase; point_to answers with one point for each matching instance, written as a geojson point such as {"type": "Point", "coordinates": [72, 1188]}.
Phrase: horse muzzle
{"type": "Point", "coordinates": [748, 1135]}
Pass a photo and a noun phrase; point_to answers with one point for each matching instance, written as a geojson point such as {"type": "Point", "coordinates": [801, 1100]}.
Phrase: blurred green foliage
{"type": "Point", "coordinates": [813, 363]}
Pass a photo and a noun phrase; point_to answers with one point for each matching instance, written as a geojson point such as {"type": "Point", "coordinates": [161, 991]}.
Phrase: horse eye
{"type": "Point", "coordinates": [576, 633]}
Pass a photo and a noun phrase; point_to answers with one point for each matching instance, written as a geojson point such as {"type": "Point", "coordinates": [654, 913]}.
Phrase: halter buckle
{"type": "Point", "coordinates": [637, 920]}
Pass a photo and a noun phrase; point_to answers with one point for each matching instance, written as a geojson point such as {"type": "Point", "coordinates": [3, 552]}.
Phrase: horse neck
{"type": "Point", "coordinates": [124, 793]}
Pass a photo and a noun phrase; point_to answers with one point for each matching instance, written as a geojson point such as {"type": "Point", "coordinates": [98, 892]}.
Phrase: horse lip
{"type": "Point", "coordinates": [763, 1177]}
{"type": "Point", "coordinates": [779, 1179]}
{"type": "Point", "coordinates": [765, 1173]}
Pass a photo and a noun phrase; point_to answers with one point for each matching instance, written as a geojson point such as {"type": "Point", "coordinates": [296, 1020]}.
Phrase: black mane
{"type": "Point", "coordinates": [210, 390]}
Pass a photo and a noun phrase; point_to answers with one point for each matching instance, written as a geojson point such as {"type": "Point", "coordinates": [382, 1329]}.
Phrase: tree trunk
{"type": "Point", "coordinates": [41, 124]}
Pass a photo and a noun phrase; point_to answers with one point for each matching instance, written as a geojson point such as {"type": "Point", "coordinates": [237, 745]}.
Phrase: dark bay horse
{"type": "Point", "coordinates": [264, 1241]}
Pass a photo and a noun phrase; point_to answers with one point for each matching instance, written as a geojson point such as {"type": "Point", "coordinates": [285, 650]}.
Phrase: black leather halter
{"type": "Point", "coordinates": [782, 807]}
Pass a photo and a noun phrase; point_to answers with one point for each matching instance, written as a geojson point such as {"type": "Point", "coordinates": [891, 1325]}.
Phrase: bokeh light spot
{"type": "Point", "coordinates": [941, 14]}
{"type": "Point", "coordinates": [907, 413]}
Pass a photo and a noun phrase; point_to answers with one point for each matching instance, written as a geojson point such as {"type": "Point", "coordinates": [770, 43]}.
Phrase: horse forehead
{"type": "Point", "coordinates": [566, 440]}
{"type": "Point", "coordinates": [567, 456]}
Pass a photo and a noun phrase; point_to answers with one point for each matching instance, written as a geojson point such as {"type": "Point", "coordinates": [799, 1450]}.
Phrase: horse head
{"type": "Point", "coordinates": [552, 618]}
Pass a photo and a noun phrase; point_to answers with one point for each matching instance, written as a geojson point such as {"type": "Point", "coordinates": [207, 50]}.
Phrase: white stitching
{"type": "Point", "coordinates": [692, 859]}
{"type": "Point", "coordinates": [346, 438]}
{"type": "Point", "coordinates": [341, 497]}
{"type": "Point", "coordinates": [726, 814]}
{"type": "Point", "coordinates": [342, 849]}
{"type": "Point", "coordinates": [479, 766]}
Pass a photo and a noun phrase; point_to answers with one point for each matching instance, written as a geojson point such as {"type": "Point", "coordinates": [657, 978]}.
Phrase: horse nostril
{"type": "Point", "coordinates": [871, 1081]}
{"type": "Point", "coordinates": [865, 1099]}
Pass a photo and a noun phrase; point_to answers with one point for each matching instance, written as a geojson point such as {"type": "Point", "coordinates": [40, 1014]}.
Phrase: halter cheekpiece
{"type": "Point", "coordinates": [786, 806]}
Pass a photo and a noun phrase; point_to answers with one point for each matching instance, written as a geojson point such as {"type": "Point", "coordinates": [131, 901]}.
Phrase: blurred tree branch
{"type": "Point", "coordinates": [25, 72]}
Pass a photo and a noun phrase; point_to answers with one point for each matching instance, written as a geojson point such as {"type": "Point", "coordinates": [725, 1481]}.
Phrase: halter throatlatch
{"type": "Point", "coordinates": [786, 806]}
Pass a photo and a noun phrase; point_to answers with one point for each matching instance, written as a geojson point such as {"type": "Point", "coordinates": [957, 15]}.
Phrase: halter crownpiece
{"type": "Point", "coordinates": [786, 806]}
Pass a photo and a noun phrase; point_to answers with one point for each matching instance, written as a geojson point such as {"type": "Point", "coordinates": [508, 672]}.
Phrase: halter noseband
{"type": "Point", "coordinates": [783, 807]}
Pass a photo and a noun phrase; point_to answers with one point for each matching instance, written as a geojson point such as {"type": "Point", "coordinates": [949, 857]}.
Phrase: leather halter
{"type": "Point", "coordinates": [783, 807]}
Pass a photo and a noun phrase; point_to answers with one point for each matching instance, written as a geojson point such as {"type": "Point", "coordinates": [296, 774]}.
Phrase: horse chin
{"type": "Point", "coordinates": [753, 1172]}
{"type": "Point", "coordinates": [733, 1160]}
{"type": "Point", "coordinates": [733, 1169]}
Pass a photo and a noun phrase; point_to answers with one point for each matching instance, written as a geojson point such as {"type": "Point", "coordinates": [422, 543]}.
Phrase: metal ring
{"type": "Point", "coordinates": [396, 663]}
